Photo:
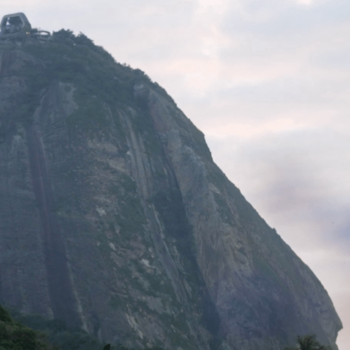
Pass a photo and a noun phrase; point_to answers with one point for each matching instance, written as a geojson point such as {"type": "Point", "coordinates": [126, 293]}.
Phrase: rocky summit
{"type": "Point", "coordinates": [115, 219]}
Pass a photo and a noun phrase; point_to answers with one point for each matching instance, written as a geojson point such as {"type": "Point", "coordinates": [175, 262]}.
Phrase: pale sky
{"type": "Point", "coordinates": [268, 82]}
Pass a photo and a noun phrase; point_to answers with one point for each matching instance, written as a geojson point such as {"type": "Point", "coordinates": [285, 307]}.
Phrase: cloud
{"type": "Point", "coordinates": [305, 2]}
{"type": "Point", "coordinates": [295, 182]}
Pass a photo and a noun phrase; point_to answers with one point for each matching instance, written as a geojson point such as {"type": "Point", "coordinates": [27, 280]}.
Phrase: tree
{"type": "Point", "coordinates": [308, 342]}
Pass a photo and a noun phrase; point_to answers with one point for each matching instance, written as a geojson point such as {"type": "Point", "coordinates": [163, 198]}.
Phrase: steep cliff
{"type": "Point", "coordinates": [114, 217]}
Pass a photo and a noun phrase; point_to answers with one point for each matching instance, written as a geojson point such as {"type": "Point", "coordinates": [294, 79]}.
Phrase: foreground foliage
{"type": "Point", "coordinates": [308, 342]}
{"type": "Point", "coordinates": [15, 336]}
{"type": "Point", "coordinates": [57, 333]}
{"type": "Point", "coordinates": [34, 332]}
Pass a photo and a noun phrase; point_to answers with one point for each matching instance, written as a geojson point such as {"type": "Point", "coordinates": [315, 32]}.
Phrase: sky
{"type": "Point", "coordinates": [268, 83]}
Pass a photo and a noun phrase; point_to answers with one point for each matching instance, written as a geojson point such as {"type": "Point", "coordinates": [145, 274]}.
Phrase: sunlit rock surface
{"type": "Point", "coordinates": [114, 217]}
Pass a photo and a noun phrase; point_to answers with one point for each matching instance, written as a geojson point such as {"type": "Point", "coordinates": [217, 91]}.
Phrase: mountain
{"type": "Point", "coordinates": [114, 217]}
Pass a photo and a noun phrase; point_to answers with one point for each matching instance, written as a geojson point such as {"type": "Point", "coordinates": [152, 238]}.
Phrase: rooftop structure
{"type": "Point", "coordinates": [16, 27]}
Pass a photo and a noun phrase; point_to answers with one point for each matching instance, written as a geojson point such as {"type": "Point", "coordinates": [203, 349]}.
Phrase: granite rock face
{"type": "Point", "coordinates": [114, 217]}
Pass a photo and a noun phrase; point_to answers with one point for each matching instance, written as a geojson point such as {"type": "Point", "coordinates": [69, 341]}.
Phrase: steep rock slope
{"type": "Point", "coordinates": [114, 217]}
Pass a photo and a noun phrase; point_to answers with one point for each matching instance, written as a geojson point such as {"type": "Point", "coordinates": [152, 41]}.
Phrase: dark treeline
{"type": "Point", "coordinates": [34, 332]}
